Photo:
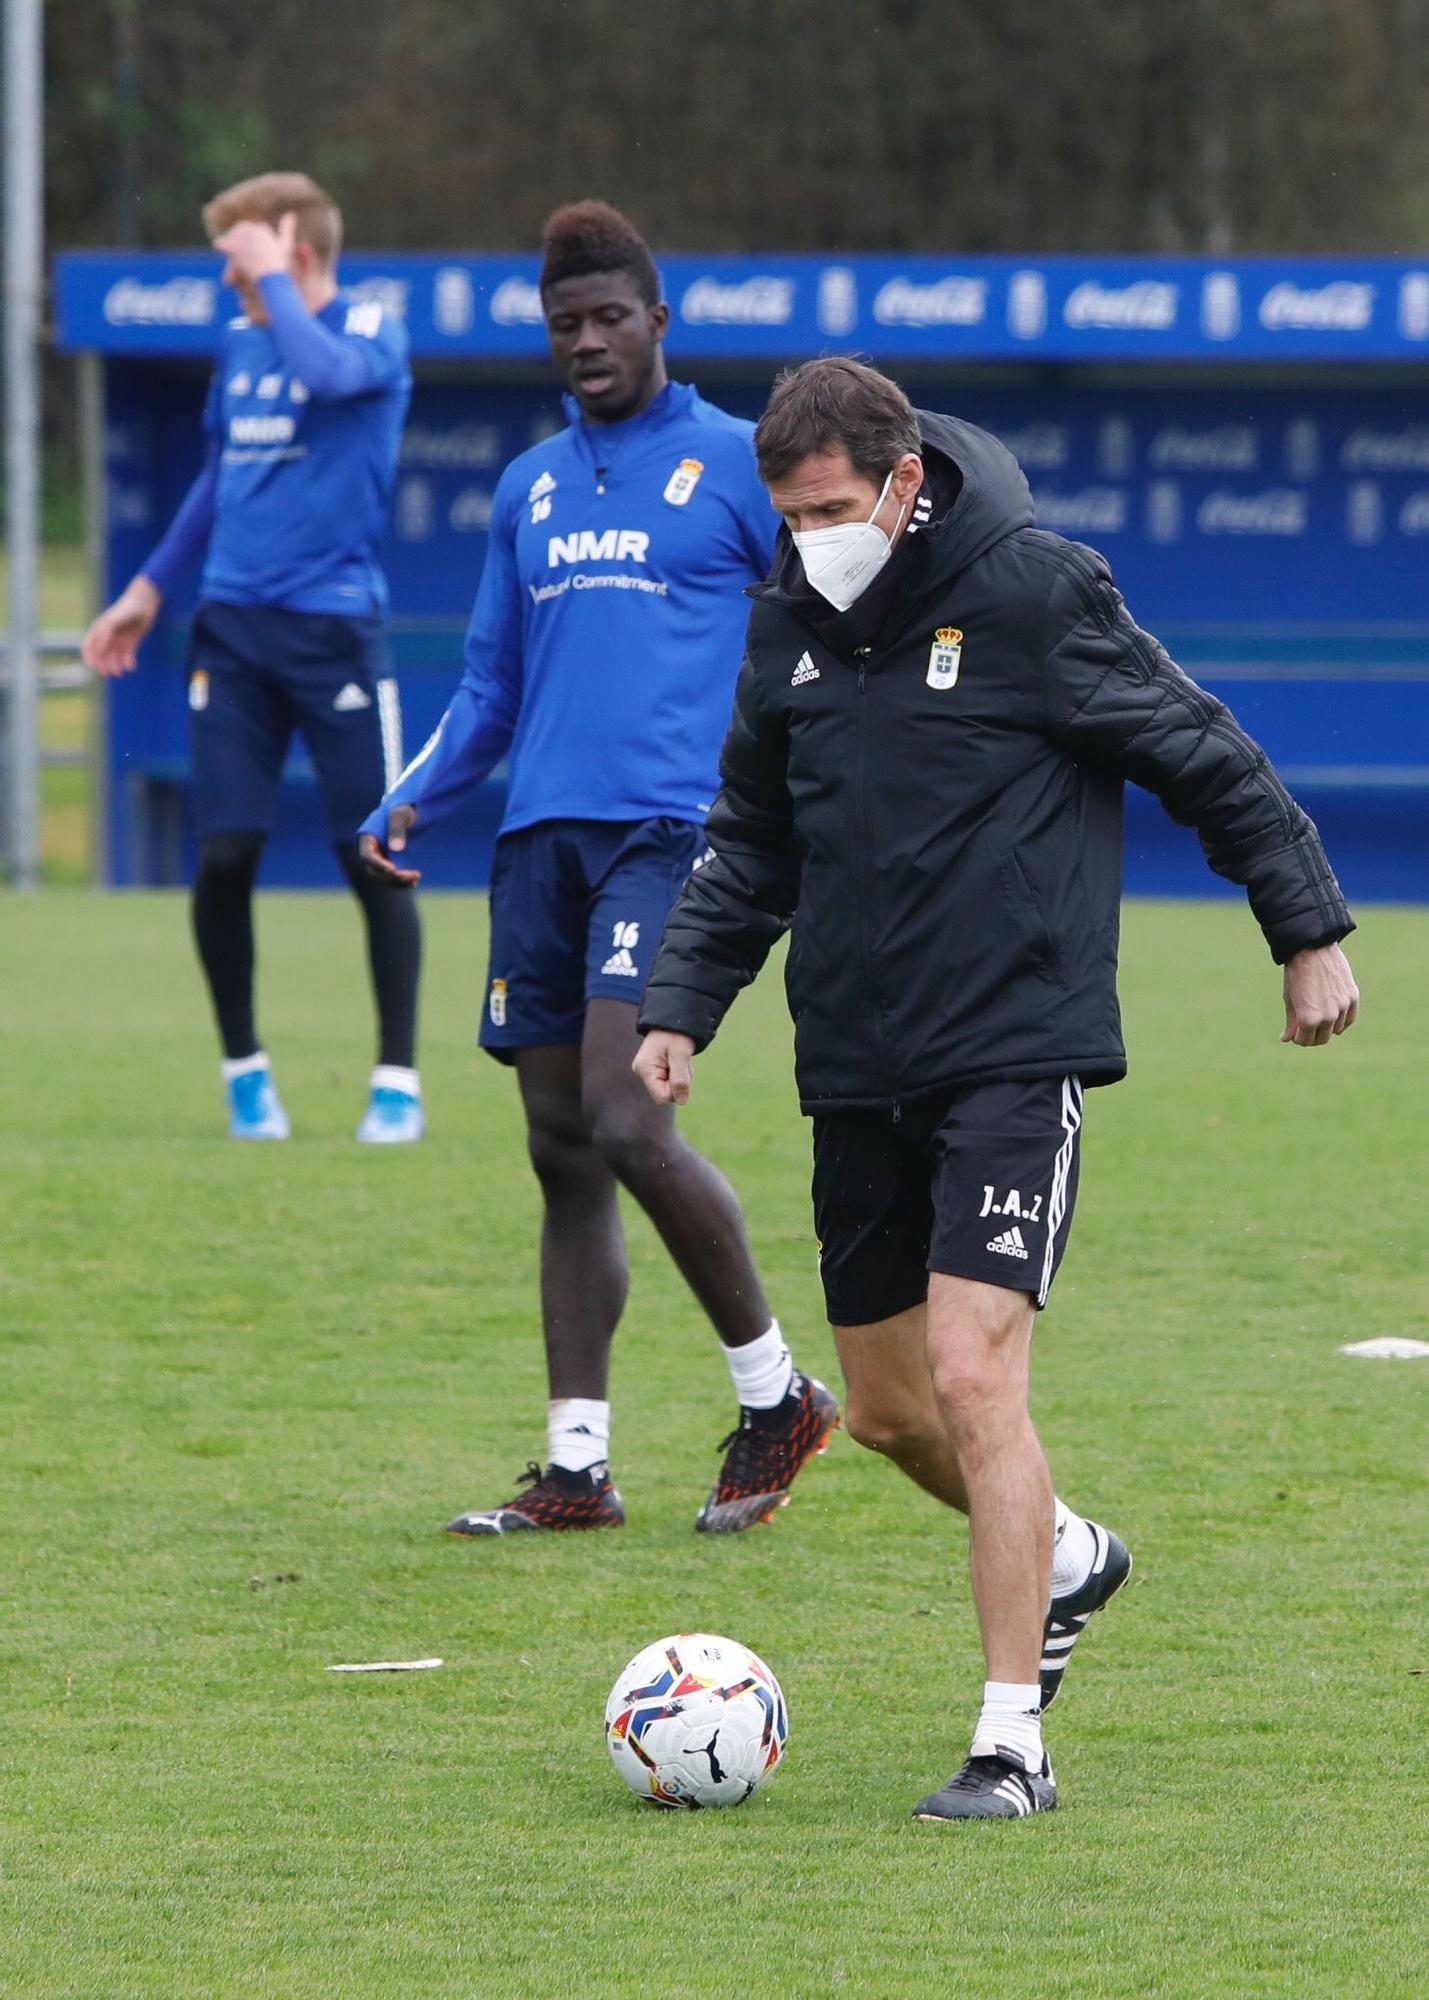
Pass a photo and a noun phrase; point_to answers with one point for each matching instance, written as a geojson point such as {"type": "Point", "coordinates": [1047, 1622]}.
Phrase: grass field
{"type": "Point", "coordinates": [67, 719]}
{"type": "Point", "coordinates": [243, 1389]}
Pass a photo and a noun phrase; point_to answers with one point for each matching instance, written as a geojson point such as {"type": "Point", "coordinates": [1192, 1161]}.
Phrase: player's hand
{"type": "Point", "coordinates": [111, 645]}
{"type": "Point", "coordinates": [1321, 998]}
{"type": "Point", "coordinates": [399, 825]}
{"type": "Point", "coordinates": [254, 250]}
{"type": "Point", "coordinates": [662, 1063]}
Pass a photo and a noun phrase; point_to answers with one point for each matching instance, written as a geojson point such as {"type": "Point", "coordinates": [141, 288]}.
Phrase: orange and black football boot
{"type": "Point", "coordinates": [552, 1499]}
{"type": "Point", "coordinates": [765, 1453]}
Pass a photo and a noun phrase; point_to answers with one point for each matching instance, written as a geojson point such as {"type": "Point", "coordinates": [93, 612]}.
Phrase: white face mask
{"type": "Point", "coordinates": [842, 561]}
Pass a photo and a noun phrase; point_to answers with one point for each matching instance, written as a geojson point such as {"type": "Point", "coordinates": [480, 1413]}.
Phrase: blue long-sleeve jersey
{"type": "Point", "coordinates": [609, 623]}
{"type": "Point", "coordinates": [303, 422]}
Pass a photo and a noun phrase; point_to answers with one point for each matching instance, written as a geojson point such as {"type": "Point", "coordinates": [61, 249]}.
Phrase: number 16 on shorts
{"type": "Point", "coordinates": [621, 963]}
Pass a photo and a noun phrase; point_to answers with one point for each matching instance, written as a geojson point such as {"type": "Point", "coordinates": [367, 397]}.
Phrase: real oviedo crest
{"type": "Point", "coordinates": [683, 481]}
{"type": "Point", "coordinates": [945, 657]}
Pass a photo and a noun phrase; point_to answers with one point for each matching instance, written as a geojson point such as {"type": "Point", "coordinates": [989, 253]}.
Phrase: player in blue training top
{"type": "Point", "coordinates": [303, 423]}
{"type": "Point", "coordinates": [601, 656]}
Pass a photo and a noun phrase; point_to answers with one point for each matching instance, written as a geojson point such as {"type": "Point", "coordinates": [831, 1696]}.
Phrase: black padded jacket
{"type": "Point", "coordinates": [928, 788]}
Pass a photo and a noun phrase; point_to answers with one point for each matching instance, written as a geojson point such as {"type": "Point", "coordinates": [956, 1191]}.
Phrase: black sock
{"type": "Point", "coordinates": [394, 955]}
{"type": "Point", "coordinates": [223, 931]}
{"type": "Point", "coordinates": [782, 1413]}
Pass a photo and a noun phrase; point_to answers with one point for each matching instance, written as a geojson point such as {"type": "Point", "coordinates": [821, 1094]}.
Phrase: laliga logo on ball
{"type": "Point", "coordinates": [695, 1721]}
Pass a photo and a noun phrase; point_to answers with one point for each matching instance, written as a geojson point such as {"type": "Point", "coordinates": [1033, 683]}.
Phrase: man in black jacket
{"type": "Point", "coordinates": [937, 712]}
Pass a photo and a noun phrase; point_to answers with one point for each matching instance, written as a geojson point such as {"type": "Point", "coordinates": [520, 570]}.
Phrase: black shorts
{"type": "Point", "coordinates": [978, 1182]}
{"type": "Point", "coordinates": [577, 910]}
{"type": "Point", "coordinates": [257, 673]}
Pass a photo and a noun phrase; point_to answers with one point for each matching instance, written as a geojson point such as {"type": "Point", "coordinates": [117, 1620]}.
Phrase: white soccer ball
{"type": "Point", "coordinates": [696, 1721]}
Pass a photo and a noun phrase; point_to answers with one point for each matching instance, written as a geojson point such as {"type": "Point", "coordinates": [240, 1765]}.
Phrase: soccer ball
{"type": "Point", "coordinates": [696, 1721]}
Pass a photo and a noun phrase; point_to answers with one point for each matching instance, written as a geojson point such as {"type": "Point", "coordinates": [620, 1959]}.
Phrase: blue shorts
{"type": "Point", "coordinates": [577, 909]}
{"type": "Point", "coordinates": [256, 674]}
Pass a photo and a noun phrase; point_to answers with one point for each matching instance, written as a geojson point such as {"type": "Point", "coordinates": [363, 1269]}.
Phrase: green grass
{"type": "Point", "coordinates": [225, 1367]}
{"type": "Point", "coordinates": [67, 720]}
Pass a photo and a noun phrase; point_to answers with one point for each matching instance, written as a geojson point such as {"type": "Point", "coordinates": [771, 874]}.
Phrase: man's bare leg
{"type": "Point", "coordinates": [584, 1274]}
{"type": "Point", "coordinates": [785, 1416]}
{"type": "Point", "coordinates": [685, 1195]}
{"type": "Point", "coordinates": [890, 1406]}
{"type": "Point", "coordinates": [979, 1344]}
{"type": "Point", "coordinates": [942, 1390]}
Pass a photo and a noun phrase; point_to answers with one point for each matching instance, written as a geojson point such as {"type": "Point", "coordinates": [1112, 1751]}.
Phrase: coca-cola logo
{"type": "Point", "coordinates": [1146, 306]}
{"type": "Point", "coordinates": [1280, 510]}
{"type": "Point", "coordinates": [463, 446]}
{"type": "Point", "coordinates": [1095, 510]}
{"type": "Point", "coordinates": [1226, 448]}
{"type": "Point", "coordinates": [950, 301]}
{"type": "Point", "coordinates": [517, 302]}
{"type": "Point", "coordinates": [173, 302]}
{"type": "Point", "coordinates": [1042, 447]}
{"type": "Point", "coordinates": [765, 301]}
{"type": "Point", "coordinates": [1340, 307]}
{"type": "Point", "coordinates": [1387, 451]}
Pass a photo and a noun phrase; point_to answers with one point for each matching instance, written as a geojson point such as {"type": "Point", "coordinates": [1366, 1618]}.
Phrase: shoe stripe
{"type": "Point", "coordinates": [1015, 1795]}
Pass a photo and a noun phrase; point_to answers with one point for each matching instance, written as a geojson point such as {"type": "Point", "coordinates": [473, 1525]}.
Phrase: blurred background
{"type": "Point", "coordinates": [1049, 220]}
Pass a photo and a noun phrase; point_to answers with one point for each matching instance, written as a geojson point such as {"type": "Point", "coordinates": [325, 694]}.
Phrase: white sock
{"type": "Point", "coordinates": [762, 1370]}
{"type": "Point", "coordinates": [1074, 1550]}
{"type": "Point", "coordinates": [577, 1432]}
{"type": "Point", "coordinates": [241, 1065]}
{"type": "Point", "coordinates": [1011, 1720]}
{"type": "Point", "coordinates": [388, 1076]}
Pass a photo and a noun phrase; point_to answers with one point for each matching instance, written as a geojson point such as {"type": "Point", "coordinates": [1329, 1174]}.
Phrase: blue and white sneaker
{"type": "Point", "coordinates": [394, 1110]}
{"type": "Point", "coordinates": [255, 1110]}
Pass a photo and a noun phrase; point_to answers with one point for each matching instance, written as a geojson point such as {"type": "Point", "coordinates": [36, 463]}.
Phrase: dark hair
{"type": "Point", "coordinates": [832, 403]}
{"type": "Point", "coordinates": [589, 236]}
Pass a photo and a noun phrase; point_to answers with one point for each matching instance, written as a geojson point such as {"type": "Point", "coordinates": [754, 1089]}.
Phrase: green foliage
{"type": "Point", "coordinates": [1297, 126]}
{"type": "Point", "coordinates": [244, 1387]}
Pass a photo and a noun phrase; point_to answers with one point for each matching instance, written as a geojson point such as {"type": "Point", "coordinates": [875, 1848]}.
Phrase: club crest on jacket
{"type": "Point", "coordinates": [683, 481]}
{"type": "Point", "coordinates": [945, 657]}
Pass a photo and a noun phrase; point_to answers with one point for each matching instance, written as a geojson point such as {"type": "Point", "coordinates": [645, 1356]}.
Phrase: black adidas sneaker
{"type": "Point", "coordinates": [1068, 1615]}
{"type": "Point", "coordinates": [992, 1788]}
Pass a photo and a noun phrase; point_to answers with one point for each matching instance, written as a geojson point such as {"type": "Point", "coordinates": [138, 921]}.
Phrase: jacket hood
{"type": "Point", "coordinates": [991, 498]}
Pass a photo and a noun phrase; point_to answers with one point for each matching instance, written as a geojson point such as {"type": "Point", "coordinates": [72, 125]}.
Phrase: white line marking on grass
{"type": "Point", "coordinates": [386, 1667]}
{"type": "Point", "coordinates": [1389, 1347]}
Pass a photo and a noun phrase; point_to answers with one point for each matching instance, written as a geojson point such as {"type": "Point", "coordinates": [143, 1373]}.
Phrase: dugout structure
{"type": "Point", "coordinates": [1247, 442]}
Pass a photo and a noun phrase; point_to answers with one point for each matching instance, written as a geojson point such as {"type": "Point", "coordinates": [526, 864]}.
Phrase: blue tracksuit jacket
{"type": "Point", "coordinates": [609, 624]}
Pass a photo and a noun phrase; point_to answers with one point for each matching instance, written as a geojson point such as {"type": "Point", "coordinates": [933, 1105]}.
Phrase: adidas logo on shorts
{"type": "Point", "coordinates": [351, 697]}
{"type": "Point", "coordinates": [1009, 1244]}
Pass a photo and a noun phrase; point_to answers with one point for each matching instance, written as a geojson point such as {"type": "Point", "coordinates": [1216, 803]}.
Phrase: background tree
{"type": "Point", "coordinates": [1296, 125]}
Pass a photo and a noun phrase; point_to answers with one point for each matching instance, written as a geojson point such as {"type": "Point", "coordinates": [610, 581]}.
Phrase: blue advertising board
{"type": "Point", "coordinates": [777, 308]}
{"type": "Point", "coordinates": [1272, 530]}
